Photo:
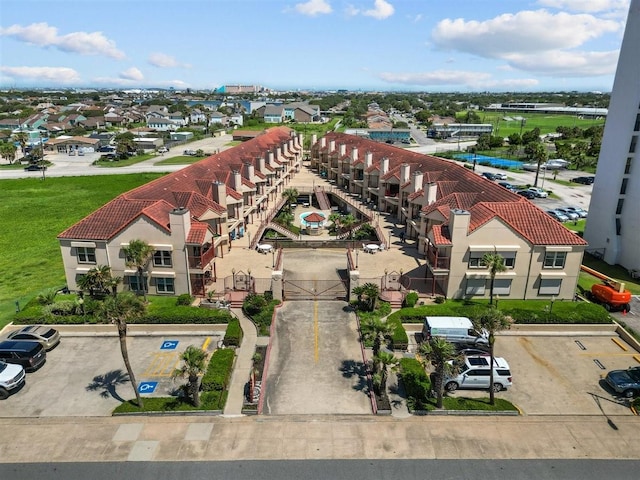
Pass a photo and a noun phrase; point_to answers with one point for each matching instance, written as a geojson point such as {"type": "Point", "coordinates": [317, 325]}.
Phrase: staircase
{"type": "Point", "coordinates": [323, 199]}
{"type": "Point", "coordinates": [284, 231]}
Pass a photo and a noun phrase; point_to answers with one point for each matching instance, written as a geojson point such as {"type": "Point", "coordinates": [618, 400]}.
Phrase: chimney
{"type": "Point", "coordinates": [343, 150]}
{"type": "Point", "coordinates": [458, 224]}
{"type": "Point", "coordinates": [249, 171]}
{"type": "Point", "coordinates": [219, 193]}
{"type": "Point", "coordinates": [261, 166]}
{"type": "Point", "coordinates": [314, 139]}
{"type": "Point", "coordinates": [368, 160]}
{"type": "Point", "coordinates": [418, 178]}
{"type": "Point", "coordinates": [323, 142]}
{"type": "Point", "coordinates": [384, 165]}
{"type": "Point", "coordinates": [354, 154]}
{"type": "Point", "coordinates": [405, 168]}
{"type": "Point", "coordinates": [270, 157]}
{"type": "Point", "coordinates": [432, 192]}
{"type": "Point", "coordinates": [180, 224]}
{"type": "Point", "coordinates": [237, 181]}
{"type": "Point", "coordinates": [332, 145]}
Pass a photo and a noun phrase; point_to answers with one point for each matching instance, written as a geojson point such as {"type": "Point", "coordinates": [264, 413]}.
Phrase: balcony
{"type": "Point", "coordinates": [436, 261]}
{"type": "Point", "coordinates": [202, 260]}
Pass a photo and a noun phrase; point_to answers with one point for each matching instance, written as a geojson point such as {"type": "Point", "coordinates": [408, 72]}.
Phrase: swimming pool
{"type": "Point", "coordinates": [318, 219]}
{"type": "Point", "coordinates": [493, 161]}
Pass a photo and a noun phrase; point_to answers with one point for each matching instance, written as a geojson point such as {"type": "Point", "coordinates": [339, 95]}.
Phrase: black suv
{"type": "Point", "coordinates": [31, 355]}
{"type": "Point", "coordinates": [583, 180]}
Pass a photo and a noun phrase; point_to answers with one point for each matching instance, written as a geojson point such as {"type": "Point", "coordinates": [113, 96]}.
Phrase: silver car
{"type": "Point", "coordinates": [48, 337]}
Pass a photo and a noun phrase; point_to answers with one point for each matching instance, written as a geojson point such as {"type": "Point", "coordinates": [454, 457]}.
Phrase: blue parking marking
{"type": "Point", "coordinates": [169, 345]}
{"type": "Point", "coordinates": [147, 387]}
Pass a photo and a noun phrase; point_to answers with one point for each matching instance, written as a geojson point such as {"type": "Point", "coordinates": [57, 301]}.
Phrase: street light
{"type": "Point", "coordinates": [553, 299]}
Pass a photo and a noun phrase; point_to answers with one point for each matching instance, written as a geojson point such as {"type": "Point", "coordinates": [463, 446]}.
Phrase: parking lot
{"type": "Point", "coordinates": [559, 373]}
{"type": "Point", "coordinates": [85, 374]}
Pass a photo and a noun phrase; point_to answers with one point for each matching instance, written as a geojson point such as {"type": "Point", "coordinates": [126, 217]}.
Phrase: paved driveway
{"type": "Point", "coordinates": [316, 362]}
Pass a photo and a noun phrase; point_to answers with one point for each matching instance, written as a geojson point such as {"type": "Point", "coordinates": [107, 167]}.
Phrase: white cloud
{"type": "Point", "coordinates": [586, 5]}
{"type": "Point", "coordinates": [132, 74]}
{"type": "Point", "coordinates": [44, 35]}
{"type": "Point", "coordinates": [457, 79]}
{"type": "Point", "coordinates": [526, 31]}
{"type": "Point", "coordinates": [51, 75]}
{"type": "Point", "coordinates": [567, 64]}
{"type": "Point", "coordinates": [162, 60]}
{"type": "Point", "coordinates": [313, 8]}
{"type": "Point", "coordinates": [381, 10]}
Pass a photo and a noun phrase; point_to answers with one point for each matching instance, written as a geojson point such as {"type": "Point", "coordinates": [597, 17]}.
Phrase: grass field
{"type": "Point", "coordinates": [546, 123]}
{"type": "Point", "coordinates": [180, 160]}
{"type": "Point", "coordinates": [32, 213]}
{"type": "Point", "coordinates": [124, 163]}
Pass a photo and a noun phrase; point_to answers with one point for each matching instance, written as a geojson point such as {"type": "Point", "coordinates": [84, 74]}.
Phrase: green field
{"type": "Point", "coordinates": [32, 213]}
{"type": "Point", "coordinates": [546, 123]}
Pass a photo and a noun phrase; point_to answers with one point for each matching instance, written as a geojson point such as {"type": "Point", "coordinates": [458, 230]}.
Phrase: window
{"type": "Point", "coordinates": [162, 258]}
{"type": "Point", "coordinates": [502, 286]}
{"type": "Point", "coordinates": [636, 127]}
{"type": "Point", "coordinates": [623, 187]}
{"type": "Point", "coordinates": [134, 283]}
{"type": "Point", "coordinates": [475, 286]}
{"type": "Point", "coordinates": [627, 167]}
{"type": "Point", "coordinates": [618, 227]}
{"type": "Point", "coordinates": [554, 259]}
{"type": "Point", "coordinates": [632, 146]}
{"type": "Point", "coordinates": [550, 286]}
{"type": "Point", "coordinates": [509, 259]}
{"type": "Point", "coordinates": [475, 260]}
{"type": "Point", "coordinates": [164, 285]}
{"type": "Point", "coordinates": [619, 207]}
{"type": "Point", "coordinates": [86, 254]}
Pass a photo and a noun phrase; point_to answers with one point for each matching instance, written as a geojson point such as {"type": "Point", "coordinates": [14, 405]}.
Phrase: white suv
{"type": "Point", "coordinates": [11, 378]}
{"type": "Point", "coordinates": [474, 373]}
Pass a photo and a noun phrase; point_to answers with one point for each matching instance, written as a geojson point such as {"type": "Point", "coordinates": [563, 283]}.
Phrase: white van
{"type": "Point", "coordinates": [458, 330]}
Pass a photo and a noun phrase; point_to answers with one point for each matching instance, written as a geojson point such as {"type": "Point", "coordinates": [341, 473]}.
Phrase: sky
{"type": "Point", "coordinates": [383, 45]}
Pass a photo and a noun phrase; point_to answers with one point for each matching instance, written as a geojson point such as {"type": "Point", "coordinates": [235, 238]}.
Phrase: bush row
{"type": "Point", "coordinates": [416, 383]}
{"type": "Point", "coordinates": [233, 334]}
{"type": "Point", "coordinates": [260, 309]}
{"type": "Point", "coordinates": [218, 372]}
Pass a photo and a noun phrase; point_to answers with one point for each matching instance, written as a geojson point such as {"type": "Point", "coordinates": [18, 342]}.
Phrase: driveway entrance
{"type": "Point", "coordinates": [316, 364]}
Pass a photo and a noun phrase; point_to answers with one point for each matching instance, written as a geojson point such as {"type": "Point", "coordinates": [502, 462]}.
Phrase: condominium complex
{"type": "Point", "coordinates": [614, 217]}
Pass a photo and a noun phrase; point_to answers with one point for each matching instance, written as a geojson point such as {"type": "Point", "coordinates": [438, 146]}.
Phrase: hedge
{"type": "Point", "coordinates": [522, 311]}
{"type": "Point", "coordinates": [417, 384]}
{"type": "Point", "coordinates": [399, 337]}
{"type": "Point", "coordinates": [233, 334]}
{"type": "Point", "coordinates": [260, 309]}
{"type": "Point", "coordinates": [218, 372]}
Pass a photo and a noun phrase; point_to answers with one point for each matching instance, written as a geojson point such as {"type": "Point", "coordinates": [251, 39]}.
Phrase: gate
{"type": "Point", "coordinates": [316, 290]}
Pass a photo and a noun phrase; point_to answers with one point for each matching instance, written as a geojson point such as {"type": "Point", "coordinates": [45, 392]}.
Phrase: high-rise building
{"type": "Point", "coordinates": [613, 228]}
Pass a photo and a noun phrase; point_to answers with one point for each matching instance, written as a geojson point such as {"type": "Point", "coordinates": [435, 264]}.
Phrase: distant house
{"type": "Point", "coordinates": [197, 116]}
{"type": "Point", "coordinates": [162, 124]}
{"type": "Point", "coordinates": [178, 118]}
{"type": "Point", "coordinates": [273, 113]}
{"type": "Point", "coordinates": [301, 112]}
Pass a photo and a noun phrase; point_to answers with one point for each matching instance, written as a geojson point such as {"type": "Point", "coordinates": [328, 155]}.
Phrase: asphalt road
{"type": "Point", "coordinates": [583, 469]}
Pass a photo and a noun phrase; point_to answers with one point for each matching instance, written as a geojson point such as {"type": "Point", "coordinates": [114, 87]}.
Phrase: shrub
{"type": "Point", "coordinates": [439, 299]}
{"type": "Point", "coordinates": [63, 308]}
{"type": "Point", "coordinates": [253, 303]}
{"type": "Point", "coordinates": [184, 300]}
{"type": "Point", "coordinates": [411, 299]}
{"type": "Point", "coordinates": [399, 338]}
{"type": "Point", "coordinates": [233, 334]}
{"type": "Point", "coordinates": [219, 370]}
{"type": "Point", "coordinates": [416, 382]}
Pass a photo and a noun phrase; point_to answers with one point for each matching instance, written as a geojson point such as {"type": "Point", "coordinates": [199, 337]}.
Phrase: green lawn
{"type": "Point", "coordinates": [546, 123]}
{"type": "Point", "coordinates": [33, 212]}
{"type": "Point", "coordinates": [180, 160]}
{"type": "Point", "coordinates": [124, 163]}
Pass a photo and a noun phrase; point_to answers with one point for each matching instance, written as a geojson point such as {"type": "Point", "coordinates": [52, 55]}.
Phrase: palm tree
{"type": "Point", "coordinates": [385, 362]}
{"type": "Point", "coordinates": [21, 138]}
{"type": "Point", "coordinates": [8, 151]}
{"type": "Point", "coordinates": [98, 280]}
{"type": "Point", "coordinates": [492, 320]}
{"type": "Point", "coordinates": [119, 309]}
{"type": "Point", "coordinates": [347, 222]}
{"type": "Point", "coordinates": [369, 292]}
{"type": "Point", "coordinates": [194, 365]}
{"type": "Point", "coordinates": [291, 195]}
{"type": "Point", "coordinates": [376, 330]}
{"type": "Point", "coordinates": [495, 263]}
{"type": "Point", "coordinates": [137, 255]}
{"type": "Point", "coordinates": [442, 356]}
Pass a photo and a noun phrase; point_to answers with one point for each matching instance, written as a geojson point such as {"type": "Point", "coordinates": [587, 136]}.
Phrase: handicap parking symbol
{"type": "Point", "coordinates": [169, 345]}
{"type": "Point", "coordinates": [147, 387]}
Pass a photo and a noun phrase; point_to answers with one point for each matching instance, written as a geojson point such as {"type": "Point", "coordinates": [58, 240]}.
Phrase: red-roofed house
{"type": "Point", "coordinates": [456, 217]}
{"type": "Point", "coordinates": [189, 216]}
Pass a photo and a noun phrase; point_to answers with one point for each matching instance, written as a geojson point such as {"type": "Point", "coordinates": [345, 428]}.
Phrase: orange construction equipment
{"type": "Point", "coordinates": [611, 294]}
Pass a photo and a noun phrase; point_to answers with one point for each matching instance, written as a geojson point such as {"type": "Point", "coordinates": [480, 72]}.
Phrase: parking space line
{"type": "Point", "coordinates": [206, 343]}
{"type": "Point", "coordinates": [620, 344]}
{"type": "Point", "coordinates": [636, 358]}
{"type": "Point", "coordinates": [162, 364]}
{"type": "Point", "coordinates": [316, 330]}
{"type": "Point", "coordinates": [606, 354]}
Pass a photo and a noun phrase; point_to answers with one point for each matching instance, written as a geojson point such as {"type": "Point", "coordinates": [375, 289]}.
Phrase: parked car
{"type": "Point", "coordinates": [11, 378]}
{"type": "Point", "coordinates": [468, 352]}
{"type": "Point", "coordinates": [500, 176]}
{"type": "Point", "coordinates": [580, 211]}
{"type": "Point", "coordinates": [48, 337]}
{"type": "Point", "coordinates": [163, 150]}
{"type": "Point", "coordinates": [538, 192]}
{"type": "Point", "coordinates": [583, 180]}
{"type": "Point", "coordinates": [508, 186]}
{"type": "Point", "coordinates": [107, 148]}
{"type": "Point", "coordinates": [625, 382]}
{"type": "Point", "coordinates": [31, 355]}
{"type": "Point", "coordinates": [190, 152]}
{"type": "Point", "coordinates": [527, 194]}
{"type": "Point", "coordinates": [478, 376]}
{"type": "Point", "coordinates": [72, 152]}
{"type": "Point", "coordinates": [561, 217]}
{"type": "Point", "coordinates": [568, 213]}
{"type": "Point", "coordinates": [489, 175]}
{"type": "Point", "coordinates": [34, 167]}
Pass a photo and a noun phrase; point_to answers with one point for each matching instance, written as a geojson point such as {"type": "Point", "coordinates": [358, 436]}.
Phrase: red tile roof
{"type": "Point", "coordinates": [198, 233]}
